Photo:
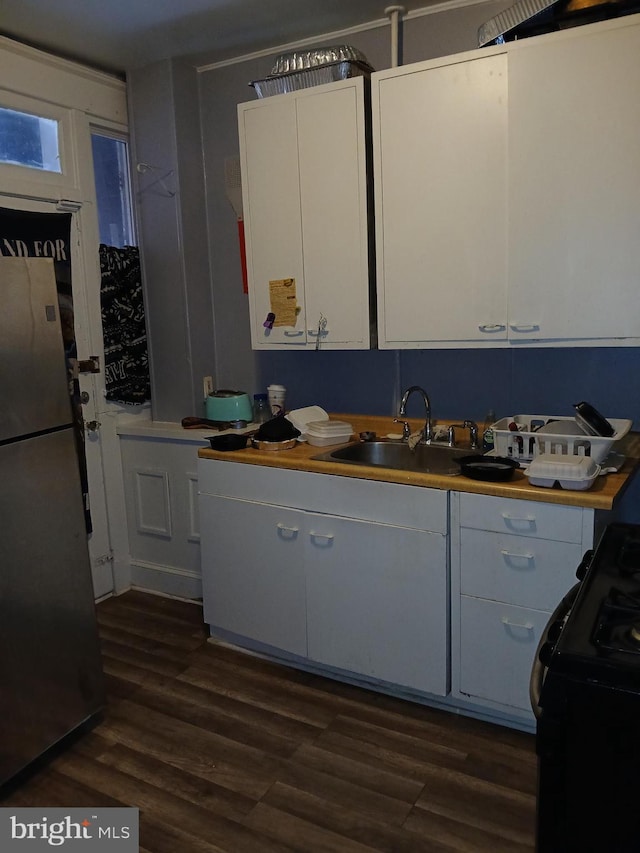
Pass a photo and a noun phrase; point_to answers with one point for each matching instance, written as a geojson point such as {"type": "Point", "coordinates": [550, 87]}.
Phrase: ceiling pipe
{"type": "Point", "coordinates": [393, 13]}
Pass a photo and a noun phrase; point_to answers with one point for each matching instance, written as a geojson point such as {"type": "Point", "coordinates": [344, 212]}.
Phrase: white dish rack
{"type": "Point", "coordinates": [525, 443]}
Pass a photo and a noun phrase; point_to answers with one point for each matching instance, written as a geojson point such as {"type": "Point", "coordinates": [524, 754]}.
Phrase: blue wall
{"type": "Point", "coordinates": [461, 383]}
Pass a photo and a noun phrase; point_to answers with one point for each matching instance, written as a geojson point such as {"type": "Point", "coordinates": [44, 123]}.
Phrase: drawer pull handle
{"type": "Point", "coordinates": [526, 626]}
{"type": "Point", "coordinates": [492, 327]}
{"type": "Point", "coordinates": [519, 522]}
{"type": "Point", "coordinates": [321, 540]}
{"type": "Point", "coordinates": [294, 334]}
{"type": "Point", "coordinates": [524, 327]}
{"type": "Point", "coordinates": [528, 519]}
{"type": "Point", "coordinates": [509, 555]}
{"type": "Point", "coordinates": [287, 532]}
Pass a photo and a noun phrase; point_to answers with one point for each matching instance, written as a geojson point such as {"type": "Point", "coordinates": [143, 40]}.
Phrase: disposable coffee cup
{"type": "Point", "coordinates": [276, 394]}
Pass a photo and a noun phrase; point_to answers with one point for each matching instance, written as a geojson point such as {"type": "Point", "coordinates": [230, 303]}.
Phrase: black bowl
{"type": "Point", "coordinates": [493, 468]}
{"type": "Point", "coordinates": [228, 441]}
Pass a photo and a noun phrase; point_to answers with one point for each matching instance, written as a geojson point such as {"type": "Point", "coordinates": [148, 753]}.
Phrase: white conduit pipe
{"type": "Point", "coordinates": [393, 13]}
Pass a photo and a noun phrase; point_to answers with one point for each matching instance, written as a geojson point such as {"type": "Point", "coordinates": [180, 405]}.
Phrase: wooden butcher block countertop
{"type": "Point", "coordinates": [602, 495]}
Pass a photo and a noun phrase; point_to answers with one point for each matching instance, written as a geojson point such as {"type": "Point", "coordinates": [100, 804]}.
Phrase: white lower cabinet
{"type": "Point", "coordinates": [512, 561]}
{"type": "Point", "coordinates": [254, 584]}
{"type": "Point", "coordinates": [438, 594]}
{"type": "Point", "coordinates": [377, 601]}
{"type": "Point", "coordinates": [161, 502]}
{"type": "Point", "coordinates": [331, 582]}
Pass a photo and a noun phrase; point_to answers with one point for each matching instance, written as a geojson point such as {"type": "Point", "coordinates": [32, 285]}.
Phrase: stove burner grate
{"type": "Point", "coordinates": [628, 559]}
{"type": "Point", "coordinates": [618, 626]}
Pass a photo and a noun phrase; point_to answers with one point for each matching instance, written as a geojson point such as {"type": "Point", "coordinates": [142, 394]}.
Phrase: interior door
{"type": "Point", "coordinates": [81, 279]}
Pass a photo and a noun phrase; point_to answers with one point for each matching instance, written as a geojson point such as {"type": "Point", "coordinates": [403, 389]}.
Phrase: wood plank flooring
{"type": "Point", "coordinates": [226, 753]}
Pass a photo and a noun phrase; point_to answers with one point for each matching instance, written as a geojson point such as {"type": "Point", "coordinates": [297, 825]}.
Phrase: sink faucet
{"type": "Point", "coordinates": [427, 430]}
{"type": "Point", "coordinates": [472, 426]}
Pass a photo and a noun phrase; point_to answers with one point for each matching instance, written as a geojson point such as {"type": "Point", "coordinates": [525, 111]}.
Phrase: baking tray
{"type": "Point", "coordinates": [282, 84]}
{"type": "Point", "coordinates": [301, 60]}
{"type": "Point", "coordinates": [512, 17]}
{"type": "Point", "coordinates": [302, 69]}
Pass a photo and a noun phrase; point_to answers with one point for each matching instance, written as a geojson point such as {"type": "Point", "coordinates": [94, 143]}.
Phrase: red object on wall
{"type": "Point", "coordinates": [243, 256]}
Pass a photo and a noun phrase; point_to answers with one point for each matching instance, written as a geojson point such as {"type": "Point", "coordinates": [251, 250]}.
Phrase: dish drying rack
{"type": "Point", "coordinates": [526, 442]}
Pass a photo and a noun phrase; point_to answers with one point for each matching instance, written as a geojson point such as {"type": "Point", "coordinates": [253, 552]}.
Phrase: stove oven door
{"type": "Point", "coordinates": [588, 746]}
{"type": "Point", "coordinates": [543, 653]}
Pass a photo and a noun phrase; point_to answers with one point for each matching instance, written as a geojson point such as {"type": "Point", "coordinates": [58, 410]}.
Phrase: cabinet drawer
{"type": "Point", "coordinates": [519, 570]}
{"type": "Point", "coordinates": [387, 503]}
{"type": "Point", "coordinates": [526, 518]}
{"type": "Point", "coordinates": [497, 646]}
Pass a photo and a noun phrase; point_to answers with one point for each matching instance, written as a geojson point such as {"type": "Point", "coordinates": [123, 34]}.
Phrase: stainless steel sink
{"type": "Point", "coordinates": [425, 458]}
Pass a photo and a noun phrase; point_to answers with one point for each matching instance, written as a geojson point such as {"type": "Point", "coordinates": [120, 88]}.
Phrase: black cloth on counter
{"type": "Point", "coordinates": [277, 429]}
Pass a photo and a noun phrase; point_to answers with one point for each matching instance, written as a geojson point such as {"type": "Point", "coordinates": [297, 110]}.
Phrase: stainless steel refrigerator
{"type": "Point", "coordinates": [51, 677]}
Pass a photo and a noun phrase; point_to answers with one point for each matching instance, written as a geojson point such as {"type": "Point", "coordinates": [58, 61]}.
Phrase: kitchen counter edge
{"type": "Point", "coordinates": [602, 495]}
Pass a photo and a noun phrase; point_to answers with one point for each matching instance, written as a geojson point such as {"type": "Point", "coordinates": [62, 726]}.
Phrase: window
{"type": "Point", "coordinates": [29, 140]}
{"type": "Point", "coordinates": [113, 190]}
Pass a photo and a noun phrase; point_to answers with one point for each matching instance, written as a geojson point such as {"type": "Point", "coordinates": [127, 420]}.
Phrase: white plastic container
{"type": "Point", "coordinates": [300, 418]}
{"type": "Point", "coordinates": [324, 433]}
{"type": "Point", "coordinates": [570, 472]}
{"type": "Point", "coordinates": [544, 434]}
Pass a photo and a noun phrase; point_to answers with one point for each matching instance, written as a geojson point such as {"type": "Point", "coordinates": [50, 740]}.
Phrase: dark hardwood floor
{"type": "Point", "coordinates": [222, 751]}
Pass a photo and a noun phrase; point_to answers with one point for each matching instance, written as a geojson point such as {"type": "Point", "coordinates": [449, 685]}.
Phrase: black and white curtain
{"type": "Point", "coordinates": [126, 363]}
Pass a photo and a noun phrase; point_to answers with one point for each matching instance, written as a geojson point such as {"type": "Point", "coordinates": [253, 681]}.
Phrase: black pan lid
{"type": "Point", "coordinates": [591, 419]}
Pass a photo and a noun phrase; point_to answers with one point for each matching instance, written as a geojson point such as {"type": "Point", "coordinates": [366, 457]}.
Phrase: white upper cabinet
{"type": "Point", "coordinates": [440, 167]}
{"type": "Point", "coordinates": [507, 183]}
{"type": "Point", "coordinates": [574, 200]}
{"type": "Point", "coordinates": [304, 181]}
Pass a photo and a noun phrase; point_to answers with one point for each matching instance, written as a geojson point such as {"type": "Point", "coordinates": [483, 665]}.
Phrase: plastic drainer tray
{"type": "Point", "coordinates": [528, 442]}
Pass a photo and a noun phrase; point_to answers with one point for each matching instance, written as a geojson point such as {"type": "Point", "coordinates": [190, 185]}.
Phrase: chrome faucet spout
{"type": "Point", "coordinates": [427, 431]}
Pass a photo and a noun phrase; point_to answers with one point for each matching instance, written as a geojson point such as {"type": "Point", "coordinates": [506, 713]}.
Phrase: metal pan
{"type": "Point", "coordinates": [492, 468]}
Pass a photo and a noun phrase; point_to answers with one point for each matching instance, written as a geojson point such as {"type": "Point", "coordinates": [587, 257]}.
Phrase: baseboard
{"type": "Point", "coordinates": [167, 580]}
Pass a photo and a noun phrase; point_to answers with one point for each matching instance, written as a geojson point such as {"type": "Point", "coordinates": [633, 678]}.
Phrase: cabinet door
{"type": "Point", "coordinates": [440, 157]}
{"type": "Point", "coordinates": [574, 185]}
{"type": "Point", "coordinates": [304, 176]}
{"type": "Point", "coordinates": [333, 202]}
{"type": "Point", "coordinates": [252, 571]}
{"type": "Point", "coordinates": [377, 601]}
{"type": "Point", "coordinates": [271, 209]}
{"type": "Point", "coordinates": [497, 647]}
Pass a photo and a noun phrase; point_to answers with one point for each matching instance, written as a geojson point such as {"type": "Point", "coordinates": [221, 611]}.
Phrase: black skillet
{"type": "Point", "coordinates": [493, 468]}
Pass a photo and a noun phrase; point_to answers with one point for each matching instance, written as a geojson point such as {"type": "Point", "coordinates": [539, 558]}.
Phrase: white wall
{"type": "Point", "coordinates": [81, 99]}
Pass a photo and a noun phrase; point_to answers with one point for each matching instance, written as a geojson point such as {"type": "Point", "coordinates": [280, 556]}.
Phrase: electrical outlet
{"type": "Point", "coordinates": [207, 385]}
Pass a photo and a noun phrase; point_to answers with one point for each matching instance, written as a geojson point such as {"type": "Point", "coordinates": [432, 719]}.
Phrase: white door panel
{"type": "Point", "coordinates": [81, 279]}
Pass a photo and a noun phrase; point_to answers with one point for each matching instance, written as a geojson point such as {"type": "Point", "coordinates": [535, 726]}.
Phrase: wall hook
{"type": "Point", "coordinates": [143, 168]}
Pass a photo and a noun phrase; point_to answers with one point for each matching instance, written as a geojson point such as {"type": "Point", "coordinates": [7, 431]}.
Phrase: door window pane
{"type": "Point", "coordinates": [113, 190]}
{"type": "Point", "coordinates": [29, 140]}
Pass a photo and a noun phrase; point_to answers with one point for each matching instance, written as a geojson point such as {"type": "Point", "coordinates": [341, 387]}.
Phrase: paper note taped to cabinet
{"type": "Point", "coordinates": [282, 298]}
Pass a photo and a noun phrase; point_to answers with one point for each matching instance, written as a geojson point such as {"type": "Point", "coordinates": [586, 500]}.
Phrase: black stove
{"type": "Point", "coordinates": [587, 700]}
{"type": "Point", "coordinates": [617, 632]}
{"type": "Point", "coordinates": [601, 637]}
